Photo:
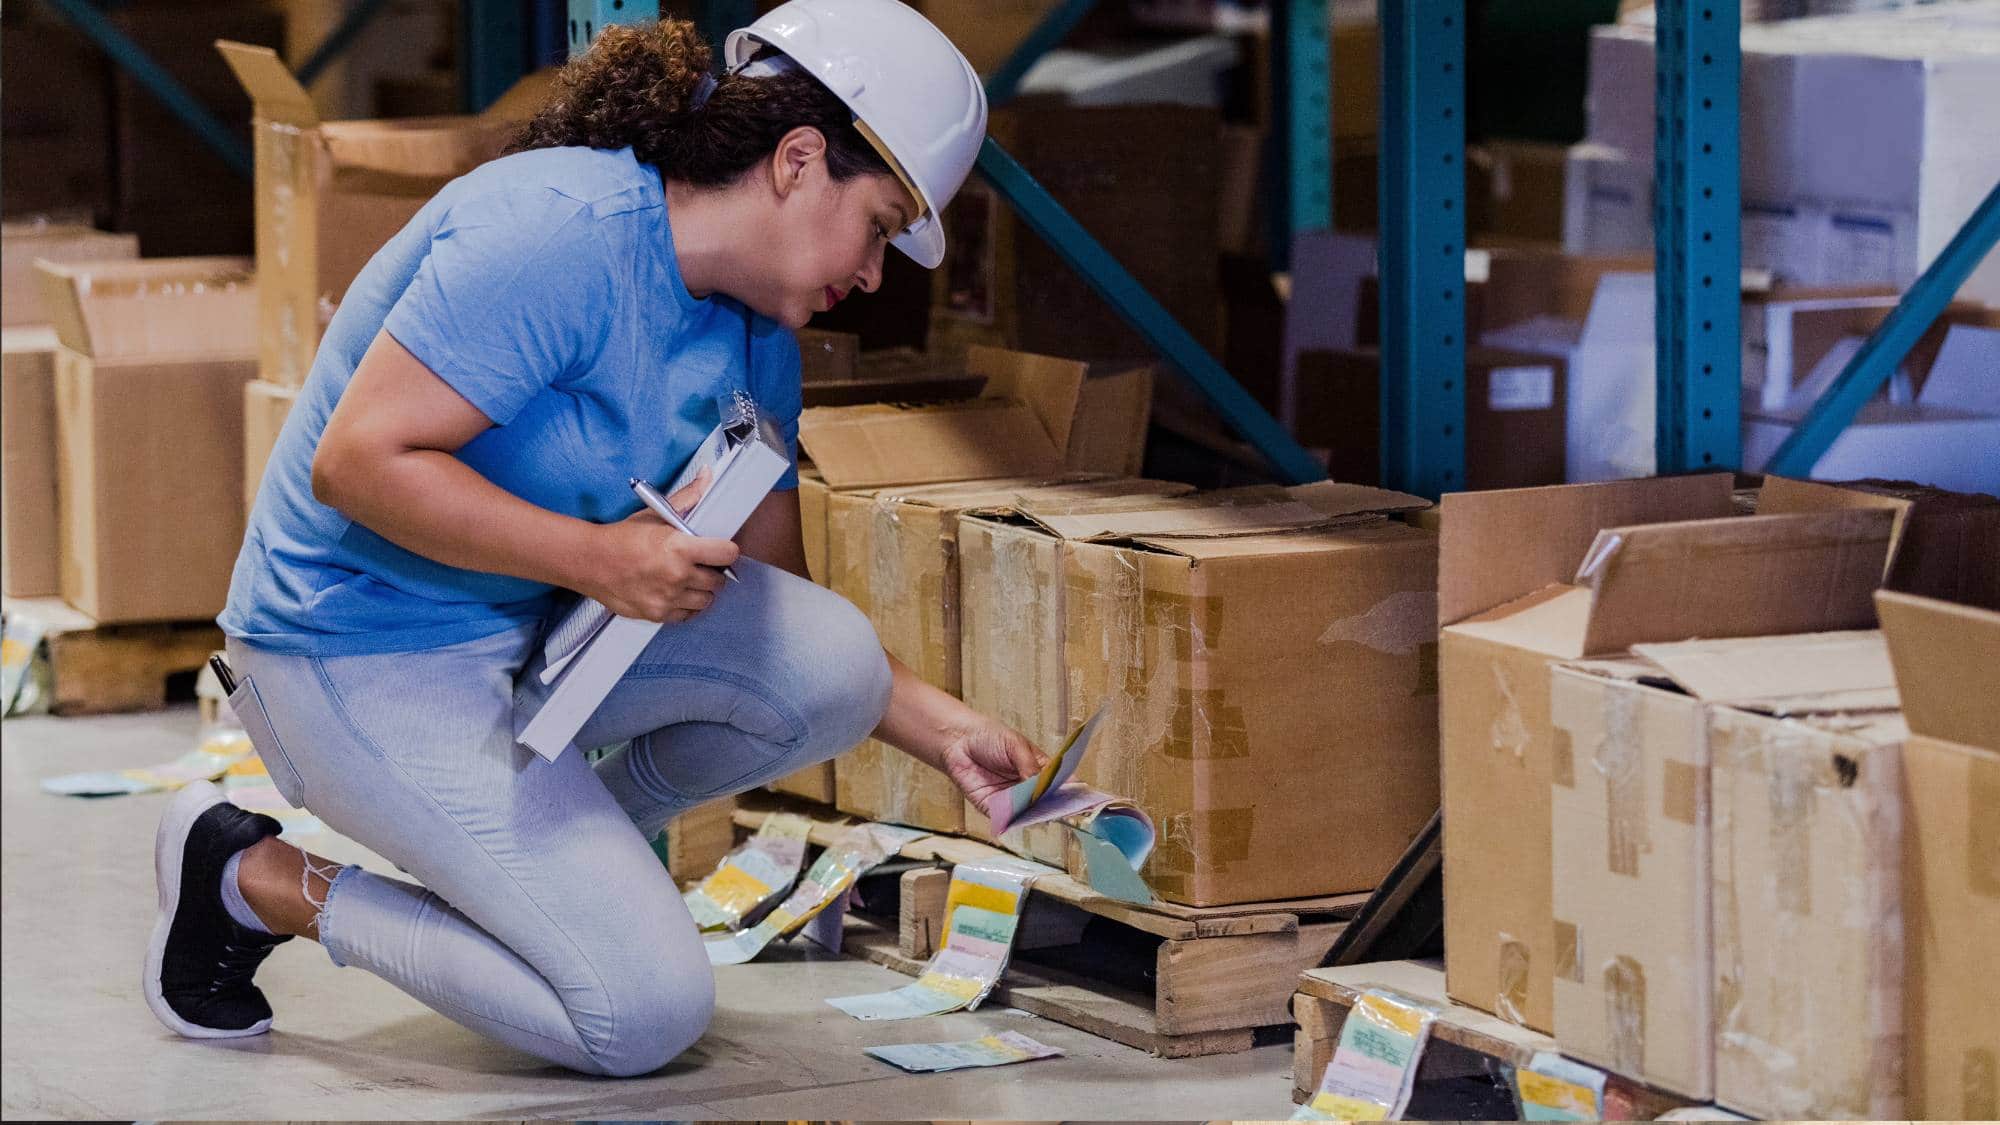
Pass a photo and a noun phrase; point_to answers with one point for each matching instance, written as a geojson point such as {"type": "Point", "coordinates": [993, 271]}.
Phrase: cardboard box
{"type": "Point", "coordinates": [1185, 618]}
{"type": "Point", "coordinates": [1143, 180]}
{"type": "Point", "coordinates": [1525, 198]}
{"type": "Point", "coordinates": [25, 242]}
{"type": "Point", "coordinates": [30, 566]}
{"type": "Point", "coordinates": [1607, 203]}
{"type": "Point", "coordinates": [1807, 800]}
{"type": "Point", "coordinates": [1672, 943]}
{"type": "Point", "coordinates": [1947, 544]}
{"type": "Point", "coordinates": [1608, 352]}
{"type": "Point", "coordinates": [1944, 438]}
{"type": "Point", "coordinates": [149, 432]}
{"type": "Point", "coordinates": [1514, 416]}
{"type": "Point", "coordinates": [1944, 656]}
{"type": "Point", "coordinates": [331, 193]}
{"type": "Point", "coordinates": [1018, 428]}
{"type": "Point", "coordinates": [1863, 143]}
{"type": "Point", "coordinates": [1114, 409]}
{"type": "Point", "coordinates": [1512, 603]}
{"type": "Point", "coordinates": [986, 31]}
{"type": "Point", "coordinates": [265, 408]}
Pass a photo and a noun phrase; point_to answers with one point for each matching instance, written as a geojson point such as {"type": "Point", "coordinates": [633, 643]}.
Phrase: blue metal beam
{"type": "Point", "coordinates": [1423, 245]}
{"type": "Point", "coordinates": [85, 17]}
{"type": "Point", "coordinates": [1697, 291]}
{"type": "Point", "coordinates": [340, 38]}
{"type": "Point", "coordinates": [1084, 254]}
{"type": "Point", "coordinates": [1047, 35]}
{"type": "Point", "coordinates": [1302, 71]}
{"type": "Point", "coordinates": [492, 50]}
{"type": "Point", "coordinates": [1877, 359]}
{"type": "Point", "coordinates": [588, 17]}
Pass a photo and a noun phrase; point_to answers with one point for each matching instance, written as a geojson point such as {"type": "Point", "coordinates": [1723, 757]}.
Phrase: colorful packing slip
{"type": "Point", "coordinates": [1374, 1066]}
{"type": "Point", "coordinates": [982, 911]}
{"type": "Point", "coordinates": [752, 875]}
{"type": "Point", "coordinates": [833, 875]}
{"type": "Point", "coordinates": [991, 1050]}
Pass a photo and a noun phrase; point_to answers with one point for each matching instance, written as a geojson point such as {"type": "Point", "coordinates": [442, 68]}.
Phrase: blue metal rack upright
{"type": "Point", "coordinates": [1697, 288]}
{"type": "Point", "coordinates": [1422, 255]}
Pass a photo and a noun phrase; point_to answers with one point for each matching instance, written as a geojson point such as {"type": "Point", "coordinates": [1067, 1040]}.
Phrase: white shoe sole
{"type": "Point", "coordinates": [169, 846]}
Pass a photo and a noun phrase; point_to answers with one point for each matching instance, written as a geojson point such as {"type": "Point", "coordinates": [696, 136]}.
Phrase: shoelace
{"type": "Point", "coordinates": [236, 966]}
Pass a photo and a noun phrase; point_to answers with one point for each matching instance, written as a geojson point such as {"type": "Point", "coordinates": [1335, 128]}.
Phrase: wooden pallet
{"type": "Point", "coordinates": [101, 668]}
{"type": "Point", "coordinates": [1463, 1041]}
{"type": "Point", "coordinates": [1173, 980]}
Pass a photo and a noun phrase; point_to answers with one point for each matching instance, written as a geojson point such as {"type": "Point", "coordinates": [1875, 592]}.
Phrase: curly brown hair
{"type": "Point", "coordinates": [636, 87]}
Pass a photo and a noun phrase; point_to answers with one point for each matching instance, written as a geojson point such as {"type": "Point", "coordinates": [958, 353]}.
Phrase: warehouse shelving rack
{"type": "Point", "coordinates": [1422, 221]}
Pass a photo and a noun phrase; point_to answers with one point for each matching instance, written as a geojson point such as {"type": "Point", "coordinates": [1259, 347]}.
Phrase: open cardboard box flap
{"type": "Point", "coordinates": [155, 308]}
{"type": "Point", "coordinates": [1735, 577]}
{"type": "Point", "coordinates": [1751, 576]}
{"type": "Point", "coordinates": [1794, 674]}
{"type": "Point", "coordinates": [1497, 546]}
{"type": "Point", "coordinates": [1019, 426]}
{"type": "Point", "coordinates": [411, 145]}
{"type": "Point", "coordinates": [1945, 656]}
{"type": "Point", "coordinates": [1255, 510]}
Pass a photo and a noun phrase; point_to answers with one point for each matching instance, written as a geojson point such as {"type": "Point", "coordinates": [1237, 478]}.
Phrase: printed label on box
{"type": "Point", "coordinates": [1521, 388]}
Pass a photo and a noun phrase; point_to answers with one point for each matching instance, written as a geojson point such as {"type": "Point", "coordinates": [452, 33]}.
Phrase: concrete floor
{"type": "Point", "coordinates": [78, 1042]}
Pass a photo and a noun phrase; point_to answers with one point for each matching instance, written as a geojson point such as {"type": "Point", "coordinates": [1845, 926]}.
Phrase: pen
{"type": "Point", "coordinates": [652, 499]}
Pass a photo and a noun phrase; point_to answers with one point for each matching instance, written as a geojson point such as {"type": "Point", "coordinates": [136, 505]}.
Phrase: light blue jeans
{"type": "Point", "coordinates": [544, 920]}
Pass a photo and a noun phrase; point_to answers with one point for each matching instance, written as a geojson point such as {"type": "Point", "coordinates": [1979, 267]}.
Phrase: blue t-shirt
{"type": "Point", "coordinates": [543, 287]}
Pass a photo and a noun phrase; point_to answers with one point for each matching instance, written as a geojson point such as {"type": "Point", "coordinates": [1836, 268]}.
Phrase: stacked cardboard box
{"type": "Point", "coordinates": [1210, 627]}
{"type": "Point", "coordinates": [1724, 841]}
{"type": "Point", "coordinates": [330, 193]}
{"type": "Point", "coordinates": [1531, 577]}
{"type": "Point", "coordinates": [151, 517]}
{"type": "Point", "coordinates": [1864, 140]}
{"type": "Point", "coordinates": [1944, 657]}
{"type": "Point", "coordinates": [30, 565]}
{"type": "Point", "coordinates": [1007, 421]}
{"type": "Point", "coordinates": [891, 542]}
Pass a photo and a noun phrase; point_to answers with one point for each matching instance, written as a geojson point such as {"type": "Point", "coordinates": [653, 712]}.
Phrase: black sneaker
{"type": "Point", "coordinates": [199, 964]}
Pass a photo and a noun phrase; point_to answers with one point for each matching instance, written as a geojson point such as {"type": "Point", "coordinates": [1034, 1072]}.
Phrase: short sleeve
{"type": "Point", "coordinates": [512, 294]}
{"type": "Point", "coordinates": [774, 383]}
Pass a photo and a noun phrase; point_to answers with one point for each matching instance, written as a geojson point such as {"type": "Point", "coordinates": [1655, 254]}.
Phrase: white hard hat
{"type": "Point", "coordinates": [913, 94]}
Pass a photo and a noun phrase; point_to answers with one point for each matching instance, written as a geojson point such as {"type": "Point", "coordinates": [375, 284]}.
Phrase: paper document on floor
{"type": "Point", "coordinates": [982, 910]}
{"type": "Point", "coordinates": [752, 875]}
{"type": "Point", "coordinates": [991, 1050]}
{"type": "Point", "coordinates": [20, 639]}
{"type": "Point", "coordinates": [218, 747]}
{"type": "Point", "coordinates": [833, 875]}
{"type": "Point", "coordinates": [1116, 835]}
{"type": "Point", "coordinates": [1374, 1066]}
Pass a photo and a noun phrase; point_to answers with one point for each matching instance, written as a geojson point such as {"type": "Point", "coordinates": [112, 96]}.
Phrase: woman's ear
{"type": "Point", "coordinates": [798, 153]}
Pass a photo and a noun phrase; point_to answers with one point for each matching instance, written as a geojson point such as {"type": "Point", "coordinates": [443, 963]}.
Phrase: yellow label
{"type": "Point", "coordinates": [1349, 1109]}
{"type": "Point", "coordinates": [960, 988]}
{"type": "Point", "coordinates": [1407, 1020]}
{"type": "Point", "coordinates": [735, 889]}
{"type": "Point", "coordinates": [12, 651]}
{"type": "Point", "coordinates": [981, 896]}
{"type": "Point", "coordinates": [1541, 1089]}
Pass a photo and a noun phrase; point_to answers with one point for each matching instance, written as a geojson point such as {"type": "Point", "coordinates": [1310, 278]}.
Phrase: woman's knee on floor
{"type": "Point", "coordinates": [656, 1013]}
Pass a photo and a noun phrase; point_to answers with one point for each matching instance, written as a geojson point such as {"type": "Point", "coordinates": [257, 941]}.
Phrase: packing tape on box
{"type": "Point", "coordinates": [1374, 1066]}
{"type": "Point", "coordinates": [1618, 760]}
{"type": "Point", "coordinates": [1510, 1002]}
{"type": "Point", "coordinates": [1562, 758]}
{"type": "Point", "coordinates": [1397, 625]}
{"type": "Point", "coordinates": [1569, 952]}
{"type": "Point", "coordinates": [1509, 732]}
{"type": "Point", "coordinates": [1625, 1013]}
{"type": "Point", "coordinates": [853, 854]}
{"type": "Point", "coordinates": [751, 876]}
{"type": "Point", "coordinates": [1680, 792]}
{"type": "Point", "coordinates": [982, 912]}
{"type": "Point", "coordinates": [1979, 1085]}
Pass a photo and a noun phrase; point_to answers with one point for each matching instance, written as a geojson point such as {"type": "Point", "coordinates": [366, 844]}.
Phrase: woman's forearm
{"type": "Point", "coordinates": [435, 505]}
{"type": "Point", "coordinates": [922, 720]}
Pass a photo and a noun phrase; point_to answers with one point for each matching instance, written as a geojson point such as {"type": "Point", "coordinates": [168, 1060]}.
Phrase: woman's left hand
{"type": "Point", "coordinates": [989, 756]}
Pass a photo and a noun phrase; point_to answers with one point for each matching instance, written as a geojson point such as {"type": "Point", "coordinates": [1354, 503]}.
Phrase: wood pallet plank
{"type": "Point", "coordinates": [97, 669]}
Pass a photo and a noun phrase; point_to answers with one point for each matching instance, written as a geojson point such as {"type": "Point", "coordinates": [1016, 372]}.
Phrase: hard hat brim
{"type": "Point", "coordinates": [924, 245]}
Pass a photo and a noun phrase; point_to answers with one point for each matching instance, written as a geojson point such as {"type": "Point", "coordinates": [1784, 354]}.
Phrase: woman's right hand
{"type": "Point", "coordinates": [646, 569]}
